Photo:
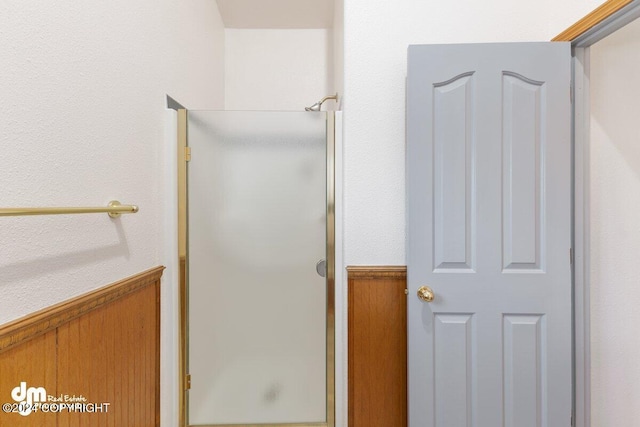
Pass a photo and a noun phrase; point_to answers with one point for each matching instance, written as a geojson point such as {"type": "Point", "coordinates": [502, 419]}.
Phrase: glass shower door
{"type": "Point", "coordinates": [257, 306]}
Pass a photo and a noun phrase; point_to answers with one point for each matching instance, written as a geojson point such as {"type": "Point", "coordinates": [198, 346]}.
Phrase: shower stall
{"type": "Point", "coordinates": [257, 268]}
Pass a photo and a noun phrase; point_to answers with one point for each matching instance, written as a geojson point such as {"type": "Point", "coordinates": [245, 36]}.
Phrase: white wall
{"type": "Point", "coordinates": [82, 122]}
{"type": "Point", "coordinates": [376, 38]}
{"type": "Point", "coordinates": [615, 228]}
{"type": "Point", "coordinates": [338, 49]}
{"type": "Point", "coordinates": [277, 69]}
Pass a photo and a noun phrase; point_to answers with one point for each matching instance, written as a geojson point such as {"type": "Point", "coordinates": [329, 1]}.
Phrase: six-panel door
{"type": "Point", "coordinates": [489, 204]}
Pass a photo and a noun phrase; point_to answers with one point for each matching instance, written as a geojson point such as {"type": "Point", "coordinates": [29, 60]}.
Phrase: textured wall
{"type": "Point", "coordinates": [82, 122]}
{"type": "Point", "coordinates": [376, 38]}
{"type": "Point", "coordinates": [338, 48]}
{"type": "Point", "coordinates": [615, 229]}
{"type": "Point", "coordinates": [283, 70]}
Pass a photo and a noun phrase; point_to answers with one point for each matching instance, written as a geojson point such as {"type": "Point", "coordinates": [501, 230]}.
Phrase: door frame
{"type": "Point", "coordinates": [600, 23]}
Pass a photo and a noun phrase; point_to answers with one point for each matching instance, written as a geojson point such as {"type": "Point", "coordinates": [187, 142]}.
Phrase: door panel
{"type": "Point", "coordinates": [523, 110]}
{"type": "Point", "coordinates": [453, 152]}
{"type": "Point", "coordinates": [488, 179]}
{"type": "Point", "coordinates": [523, 370]}
{"type": "Point", "coordinates": [454, 383]}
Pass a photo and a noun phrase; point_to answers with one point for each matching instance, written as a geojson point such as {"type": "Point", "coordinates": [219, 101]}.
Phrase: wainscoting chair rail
{"type": "Point", "coordinates": [24, 329]}
{"type": "Point", "coordinates": [114, 209]}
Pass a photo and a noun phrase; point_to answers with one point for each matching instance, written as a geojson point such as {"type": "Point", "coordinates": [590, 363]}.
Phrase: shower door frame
{"type": "Point", "coordinates": [184, 382]}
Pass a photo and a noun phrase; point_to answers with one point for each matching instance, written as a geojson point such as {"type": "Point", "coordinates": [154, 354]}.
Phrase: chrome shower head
{"type": "Point", "coordinates": [318, 105]}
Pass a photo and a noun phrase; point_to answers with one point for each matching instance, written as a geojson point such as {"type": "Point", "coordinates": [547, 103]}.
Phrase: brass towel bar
{"type": "Point", "coordinates": [114, 209]}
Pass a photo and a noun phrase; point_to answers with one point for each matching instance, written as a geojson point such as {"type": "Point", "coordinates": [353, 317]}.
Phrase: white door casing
{"type": "Point", "coordinates": [489, 230]}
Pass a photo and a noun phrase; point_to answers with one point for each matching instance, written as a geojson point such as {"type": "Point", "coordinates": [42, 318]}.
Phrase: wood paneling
{"type": "Point", "coordinates": [34, 362]}
{"type": "Point", "coordinates": [105, 347]}
{"type": "Point", "coordinates": [377, 346]}
{"type": "Point", "coordinates": [598, 15]}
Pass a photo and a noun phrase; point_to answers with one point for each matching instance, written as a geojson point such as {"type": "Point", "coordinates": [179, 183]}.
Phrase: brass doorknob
{"type": "Point", "coordinates": [425, 293]}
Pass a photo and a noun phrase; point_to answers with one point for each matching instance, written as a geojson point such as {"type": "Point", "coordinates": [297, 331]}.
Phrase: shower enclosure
{"type": "Point", "coordinates": [257, 268]}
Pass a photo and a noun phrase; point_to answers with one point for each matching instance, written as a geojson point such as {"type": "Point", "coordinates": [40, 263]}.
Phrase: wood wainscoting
{"type": "Point", "coordinates": [377, 346]}
{"type": "Point", "coordinates": [103, 346]}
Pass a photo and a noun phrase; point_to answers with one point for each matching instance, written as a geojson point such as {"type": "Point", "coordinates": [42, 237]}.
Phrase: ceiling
{"type": "Point", "coordinates": [287, 14]}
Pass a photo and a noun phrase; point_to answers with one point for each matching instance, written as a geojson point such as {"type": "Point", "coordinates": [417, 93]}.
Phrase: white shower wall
{"type": "Point", "coordinates": [278, 69]}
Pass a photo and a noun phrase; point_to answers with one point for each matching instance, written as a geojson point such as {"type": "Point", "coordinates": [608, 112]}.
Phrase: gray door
{"type": "Point", "coordinates": [489, 217]}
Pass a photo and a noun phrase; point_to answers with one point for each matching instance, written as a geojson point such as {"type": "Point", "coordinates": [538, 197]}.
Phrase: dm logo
{"type": "Point", "coordinates": [27, 397]}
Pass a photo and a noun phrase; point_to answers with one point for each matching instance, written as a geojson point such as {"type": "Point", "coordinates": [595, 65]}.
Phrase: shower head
{"type": "Point", "coordinates": [318, 105]}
